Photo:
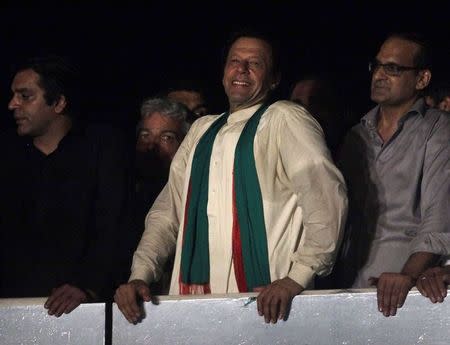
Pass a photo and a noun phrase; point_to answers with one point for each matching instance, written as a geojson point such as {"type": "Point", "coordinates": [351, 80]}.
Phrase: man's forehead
{"type": "Point", "coordinates": [156, 120]}
{"type": "Point", "coordinates": [398, 50]}
{"type": "Point", "coordinates": [251, 45]}
{"type": "Point", "coordinates": [26, 79]}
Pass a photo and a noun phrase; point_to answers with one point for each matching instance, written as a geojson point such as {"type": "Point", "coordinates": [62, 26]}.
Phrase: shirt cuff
{"type": "Point", "coordinates": [434, 243]}
{"type": "Point", "coordinates": [301, 274]}
{"type": "Point", "coordinates": [142, 274]}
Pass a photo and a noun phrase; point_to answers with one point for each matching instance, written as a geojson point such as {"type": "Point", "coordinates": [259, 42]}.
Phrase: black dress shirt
{"type": "Point", "coordinates": [61, 214]}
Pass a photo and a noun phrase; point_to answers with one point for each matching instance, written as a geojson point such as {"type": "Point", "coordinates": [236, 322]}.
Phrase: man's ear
{"type": "Point", "coordinates": [423, 79]}
{"type": "Point", "coordinates": [60, 104]}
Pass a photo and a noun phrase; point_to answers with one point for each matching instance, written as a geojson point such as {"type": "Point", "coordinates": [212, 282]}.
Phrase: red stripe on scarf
{"type": "Point", "coordinates": [237, 249]}
{"type": "Point", "coordinates": [190, 289]}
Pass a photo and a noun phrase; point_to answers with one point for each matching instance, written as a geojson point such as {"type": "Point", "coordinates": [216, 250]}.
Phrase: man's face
{"type": "Point", "coordinates": [32, 114]}
{"type": "Point", "coordinates": [444, 104]}
{"type": "Point", "coordinates": [248, 77]}
{"type": "Point", "coordinates": [401, 89]}
{"type": "Point", "coordinates": [161, 134]}
{"type": "Point", "coordinates": [191, 99]}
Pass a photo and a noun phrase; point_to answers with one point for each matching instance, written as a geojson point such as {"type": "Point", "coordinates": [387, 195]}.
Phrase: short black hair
{"type": "Point", "coordinates": [261, 34]}
{"type": "Point", "coordinates": [58, 76]}
{"type": "Point", "coordinates": [423, 58]}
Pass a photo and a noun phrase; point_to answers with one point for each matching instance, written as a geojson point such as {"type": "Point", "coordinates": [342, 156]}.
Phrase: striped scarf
{"type": "Point", "coordinates": [249, 242]}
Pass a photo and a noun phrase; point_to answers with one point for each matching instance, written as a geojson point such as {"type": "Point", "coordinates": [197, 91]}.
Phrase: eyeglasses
{"type": "Point", "coordinates": [390, 69]}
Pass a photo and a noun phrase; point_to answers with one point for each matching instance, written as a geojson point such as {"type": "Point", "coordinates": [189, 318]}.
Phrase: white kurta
{"type": "Point", "coordinates": [304, 200]}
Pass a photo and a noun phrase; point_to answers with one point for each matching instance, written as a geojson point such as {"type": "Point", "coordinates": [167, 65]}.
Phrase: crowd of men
{"type": "Point", "coordinates": [261, 198]}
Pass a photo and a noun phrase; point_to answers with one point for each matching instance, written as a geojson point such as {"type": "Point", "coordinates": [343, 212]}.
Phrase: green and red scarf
{"type": "Point", "coordinates": [249, 241]}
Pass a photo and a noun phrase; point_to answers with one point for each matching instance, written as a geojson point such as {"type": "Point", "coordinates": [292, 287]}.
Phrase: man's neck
{"type": "Point", "coordinates": [390, 116]}
{"type": "Point", "coordinates": [49, 141]}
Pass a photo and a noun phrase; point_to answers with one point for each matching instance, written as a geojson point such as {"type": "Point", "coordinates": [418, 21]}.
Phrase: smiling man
{"type": "Point", "coordinates": [253, 201]}
{"type": "Point", "coordinates": [396, 164]}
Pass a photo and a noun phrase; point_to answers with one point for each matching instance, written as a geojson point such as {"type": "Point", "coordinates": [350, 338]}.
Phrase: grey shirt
{"type": "Point", "coordinates": [398, 191]}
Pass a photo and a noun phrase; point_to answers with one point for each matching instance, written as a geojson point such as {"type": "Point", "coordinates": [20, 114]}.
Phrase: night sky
{"type": "Point", "coordinates": [129, 52]}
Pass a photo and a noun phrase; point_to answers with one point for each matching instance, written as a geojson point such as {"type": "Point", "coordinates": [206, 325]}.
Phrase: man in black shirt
{"type": "Point", "coordinates": [63, 192]}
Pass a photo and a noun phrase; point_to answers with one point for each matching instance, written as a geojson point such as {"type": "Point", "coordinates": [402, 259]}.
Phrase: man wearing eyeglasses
{"type": "Point", "coordinates": [396, 163]}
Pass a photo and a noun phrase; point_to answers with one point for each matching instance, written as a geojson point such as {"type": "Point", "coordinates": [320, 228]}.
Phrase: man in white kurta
{"type": "Point", "coordinates": [303, 198]}
{"type": "Point", "coordinates": [303, 194]}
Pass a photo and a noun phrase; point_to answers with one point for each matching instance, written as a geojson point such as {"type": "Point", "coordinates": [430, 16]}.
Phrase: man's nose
{"type": "Point", "coordinates": [379, 73]}
{"type": "Point", "coordinates": [152, 142]}
{"type": "Point", "coordinates": [243, 67]}
{"type": "Point", "coordinates": [13, 103]}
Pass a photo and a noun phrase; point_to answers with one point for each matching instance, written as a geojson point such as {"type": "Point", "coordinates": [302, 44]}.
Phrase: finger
{"type": "Point", "coordinates": [402, 295]}
{"type": "Point", "coordinates": [53, 307]}
{"type": "Point", "coordinates": [386, 300]}
{"type": "Point", "coordinates": [442, 286]}
{"type": "Point", "coordinates": [71, 306]}
{"type": "Point", "coordinates": [260, 302]}
{"type": "Point", "coordinates": [129, 304]}
{"type": "Point", "coordinates": [64, 302]}
{"type": "Point", "coordinates": [144, 292]}
{"type": "Point", "coordinates": [394, 300]}
{"type": "Point", "coordinates": [266, 307]}
{"type": "Point", "coordinates": [54, 296]}
{"type": "Point", "coordinates": [275, 309]}
{"type": "Point", "coordinates": [428, 292]}
{"type": "Point", "coordinates": [123, 302]}
{"type": "Point", "coordinates": [132, 303]}
{"type": "Point", "coordinates": [380, 295]}
{"type": "Point", "coordinates": [435, 289]}
{"type": "Point", "coordinates": [284, 306]}
{"type": "Point", "coordinates": [420, 286]}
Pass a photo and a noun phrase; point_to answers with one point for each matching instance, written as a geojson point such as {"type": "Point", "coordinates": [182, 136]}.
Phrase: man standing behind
{"type": "Point", "coordinates": [396, 164]}
{"type": "Point", "coordinates": [253, 201]}
{"type": "Point", "coordinates": [63, 188]}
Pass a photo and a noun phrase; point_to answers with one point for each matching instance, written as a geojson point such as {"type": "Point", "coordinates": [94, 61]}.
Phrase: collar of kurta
{"type": "Point", "coordinates": [249, 242]}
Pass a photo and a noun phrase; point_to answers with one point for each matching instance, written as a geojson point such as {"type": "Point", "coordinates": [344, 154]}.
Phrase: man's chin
{"type": "Point", "coordinates": [21, 132]}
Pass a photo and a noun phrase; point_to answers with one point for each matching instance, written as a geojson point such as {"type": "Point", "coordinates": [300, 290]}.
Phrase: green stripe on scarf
{"type": "Point", "coordinates": [195, 251]}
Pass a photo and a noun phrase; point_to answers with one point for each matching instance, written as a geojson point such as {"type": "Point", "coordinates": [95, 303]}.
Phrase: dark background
{"type": "Point", "coordinates": [130, 51]}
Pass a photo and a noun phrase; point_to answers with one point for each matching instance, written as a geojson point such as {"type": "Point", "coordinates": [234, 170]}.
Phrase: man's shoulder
{"type": "Point", "coordinates": [437, 117]}
{"type": "Point", "coordinates": [289, 111]}
{"type": "Point", "coordinates": [202, 124]}
{"type": "Point", "coordinates": [287, 107]}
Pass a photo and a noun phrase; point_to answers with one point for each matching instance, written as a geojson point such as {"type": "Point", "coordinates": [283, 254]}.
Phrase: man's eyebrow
{"type": "Point", "coordinates": [22, 89]}
{"type": "Point", "coordinates": [169, 132]}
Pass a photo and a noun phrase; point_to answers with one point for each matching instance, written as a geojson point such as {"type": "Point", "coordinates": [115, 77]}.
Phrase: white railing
{"type": "Point", "coordinates": [316, 318]}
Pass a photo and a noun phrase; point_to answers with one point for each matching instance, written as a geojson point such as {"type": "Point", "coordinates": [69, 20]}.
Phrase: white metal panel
{"type": "Point", "coordinates": [316, 318]}
{"type": "Point", "coordinates": [25, 321]}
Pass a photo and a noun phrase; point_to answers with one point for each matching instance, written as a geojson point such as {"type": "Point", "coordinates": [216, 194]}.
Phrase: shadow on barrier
{"type": "Point", "coordinates": [317, 317]}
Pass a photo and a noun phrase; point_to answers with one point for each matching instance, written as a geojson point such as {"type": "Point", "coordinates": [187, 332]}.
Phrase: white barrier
{"type": "Point", "coordinates": [25, 321]}
{"type": "Point", "coordinates": [316, 318]}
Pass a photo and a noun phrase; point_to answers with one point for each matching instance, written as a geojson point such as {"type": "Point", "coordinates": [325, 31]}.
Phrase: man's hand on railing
{"type": "Point", "coordinates": [127, 297]}
{"type": "Point", "coordinates": [275, 299]}
{"type": "Point", "coordinates": [392, 289]}
{"type": "Point", "coordinates": [64, 299]}
{"type": "Point", "coordinates": [433, 283]}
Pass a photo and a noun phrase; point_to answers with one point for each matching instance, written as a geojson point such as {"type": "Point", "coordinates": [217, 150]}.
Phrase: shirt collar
{"type": "Point", "coordinates": [371, 118]}
{"type": "Point", "coordinates": [243, 114]}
